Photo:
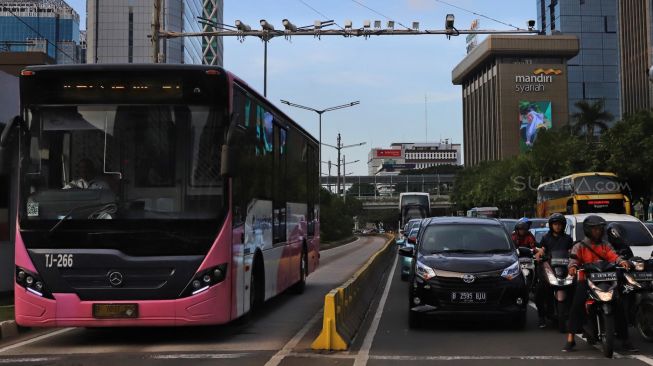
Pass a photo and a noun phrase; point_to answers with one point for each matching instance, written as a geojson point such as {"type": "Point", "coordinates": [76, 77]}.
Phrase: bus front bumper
{"type": "Point", "coordinates": [212, 306]}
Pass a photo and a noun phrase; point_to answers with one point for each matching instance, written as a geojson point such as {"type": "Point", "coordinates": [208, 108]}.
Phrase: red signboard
{"type": "Point", "coordinates": [395, 153]}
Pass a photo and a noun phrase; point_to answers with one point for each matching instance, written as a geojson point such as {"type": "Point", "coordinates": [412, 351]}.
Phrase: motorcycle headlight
{"type": "Point", "coordinates": [604, 296]}
{"type": "Point", "coordinates": [568, 280]}
{"type": "Point", "coordinates": [632, 281]}
{"type": "Point", "coordinates": [511, 272]}
{"type": "Point", "coordinates": [423, 271]}
{"type": "Point", "coordinates": [550, 276]}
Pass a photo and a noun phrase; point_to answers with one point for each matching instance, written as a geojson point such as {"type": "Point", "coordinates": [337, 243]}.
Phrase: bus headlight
{"type": "Point", "coordinates": [205, 279]}
{"type": "Point", "coordinates": [32, 283]}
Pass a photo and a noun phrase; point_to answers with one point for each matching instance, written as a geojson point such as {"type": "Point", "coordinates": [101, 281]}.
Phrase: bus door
{"type": "Point", "coordinates": [279, 241]}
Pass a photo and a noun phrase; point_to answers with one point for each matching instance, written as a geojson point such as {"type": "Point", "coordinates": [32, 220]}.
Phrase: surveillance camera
{"type": "Point", "coordinates": [242, 26]}
{"type": "Point", "coordinates": [289, 26]}
{"type": "Point", "coordinates": [266, 26]}
{"type": "Point", "coordinates": [449, 22]}
{"type": "Point", "coordinates": [531, 24]}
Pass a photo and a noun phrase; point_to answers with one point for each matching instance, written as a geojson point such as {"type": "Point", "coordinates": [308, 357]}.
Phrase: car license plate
{"type": "Point", "coordinates": [643, 276]}
{"type": "Point", "coordinates": [468, 297]}
{"type": "Point", "coordinates": [114, 311]}
{"type": "Point", "coordinates": [603, 276]}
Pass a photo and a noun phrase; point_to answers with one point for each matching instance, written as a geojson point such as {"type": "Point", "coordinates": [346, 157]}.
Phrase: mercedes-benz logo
{"type": "Point", "coordinates": [469, 278]}
{"type": "Point", "coordinates": [115, 278]}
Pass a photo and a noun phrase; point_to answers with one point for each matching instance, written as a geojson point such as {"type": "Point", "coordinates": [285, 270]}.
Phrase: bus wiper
{"type": "Point", "coordinates": [86, 207]}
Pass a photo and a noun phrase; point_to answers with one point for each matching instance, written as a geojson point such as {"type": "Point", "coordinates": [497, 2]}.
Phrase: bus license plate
{"type": "Point", "coordinates": [115, 311]}
{"type": "Point", "coordinates": [468, 297]}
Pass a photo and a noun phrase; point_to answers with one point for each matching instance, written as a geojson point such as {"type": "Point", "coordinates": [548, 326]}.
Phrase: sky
{"type": "Point", "coordinates": [391, 76]}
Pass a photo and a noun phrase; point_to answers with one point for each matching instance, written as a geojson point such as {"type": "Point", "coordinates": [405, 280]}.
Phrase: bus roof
{"type": "Point", "coordinates": [577, 175]}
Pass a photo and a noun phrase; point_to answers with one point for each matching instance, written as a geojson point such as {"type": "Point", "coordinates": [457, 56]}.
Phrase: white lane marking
{"type": "Point", "coordinates": [646, 360]}
{"type": "Point", "coordinates": [358, 238]}
{"type": "Point", "coordinates": [449, 358]}
{"type": "Point", "coordinates": [199, 356]}
{"type": "Point", "coordinates": [472, 358]}
{"type": "Point", "coordinates": [364, 353]}
{"type": "Point", "coordinates": [27, 360]}
{"type": "Point", "coordinates": [37, 339]}
{"type": "Point", "coordinates": [292, 343]}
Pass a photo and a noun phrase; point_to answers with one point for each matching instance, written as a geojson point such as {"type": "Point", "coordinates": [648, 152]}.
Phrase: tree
{"type": "Point", "coordinates": [628, 151]}
{"type": "Point", "coordinates": [590, 117]}
{"type": "Point", "coordinates": [365, 189]}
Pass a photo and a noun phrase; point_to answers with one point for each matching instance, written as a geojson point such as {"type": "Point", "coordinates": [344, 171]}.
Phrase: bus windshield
{"type": "Point", "coordinates": [121, 162]}
{"type": "Point", "coordinates": [421, 200]}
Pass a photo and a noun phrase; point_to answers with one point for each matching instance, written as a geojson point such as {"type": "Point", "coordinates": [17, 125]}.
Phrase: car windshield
{"type": "Point", "coordinates": [509, 224]}
{"type": "Point", "coordinates": [445, 238]}
{"type": "Point", "coordinates": [635, 233]}
{"type": "Point", "coordinates": [122, 163]}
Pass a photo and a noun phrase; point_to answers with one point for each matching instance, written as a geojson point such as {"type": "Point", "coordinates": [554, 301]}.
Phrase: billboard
{"type": "Point", "coordinates": [533, 117]}
{"type": "Point", "coordinates": [395, 153]}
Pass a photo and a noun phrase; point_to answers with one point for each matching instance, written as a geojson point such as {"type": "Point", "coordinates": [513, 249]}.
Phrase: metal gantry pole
{"type": "Point", "coordinates": [265, 76]}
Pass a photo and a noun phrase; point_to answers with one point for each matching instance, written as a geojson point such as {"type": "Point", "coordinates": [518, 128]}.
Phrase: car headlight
{"type": "Point", "coordinates": [423, 271]}
{"type": "Point", "coordinates": [602, 295]}
{"type": "Point", "coordinates": [511, 272]}
{"type": "Point", "coordinates": [639, 266]}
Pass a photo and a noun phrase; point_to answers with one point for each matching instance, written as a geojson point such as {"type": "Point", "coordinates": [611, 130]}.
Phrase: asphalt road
{"type": "Point", "coordinates": [266, 339]}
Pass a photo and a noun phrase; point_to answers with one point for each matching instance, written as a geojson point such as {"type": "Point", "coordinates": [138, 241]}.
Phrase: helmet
{"type": "Point", "coordinates": [523, 223]}
{"type": "Point", "coordinates": [592, 221]}
{"type": "Point", "coordinates": [615, 232]}
{"type": "Point", "coordinates": [557, 217]}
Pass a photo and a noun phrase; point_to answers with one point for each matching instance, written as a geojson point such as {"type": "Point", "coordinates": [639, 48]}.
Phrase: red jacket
{"type": "Point", "coordinates": [583, 255]}
{"type": "Point", "coordinates": [527, 240]}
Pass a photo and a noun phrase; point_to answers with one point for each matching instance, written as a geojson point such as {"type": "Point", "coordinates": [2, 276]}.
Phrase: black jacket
{"type": "Point", "coordinates": [622, 248]}
{"type": "Point", "coordinates": [553, 244]}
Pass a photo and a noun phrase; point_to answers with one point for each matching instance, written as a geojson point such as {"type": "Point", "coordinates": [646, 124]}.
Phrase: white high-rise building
{"type": "Point", "coordinates": [118, 31]}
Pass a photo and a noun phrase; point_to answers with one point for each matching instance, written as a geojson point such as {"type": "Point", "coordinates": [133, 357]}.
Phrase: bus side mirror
{"type": "Point", "coordinates": [6, 142]}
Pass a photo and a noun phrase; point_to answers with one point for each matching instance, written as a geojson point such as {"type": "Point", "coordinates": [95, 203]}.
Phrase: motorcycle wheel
{"type": "Point", "coordinates": [607, 334]}
{"type": "Point", "coordinates": [644, 321]}
{"type": "Point", "coordinates": [562, 318]}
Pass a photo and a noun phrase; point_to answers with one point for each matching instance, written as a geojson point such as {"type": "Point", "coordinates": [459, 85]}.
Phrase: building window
{"type": "Point", "coordinates": [130, 46]}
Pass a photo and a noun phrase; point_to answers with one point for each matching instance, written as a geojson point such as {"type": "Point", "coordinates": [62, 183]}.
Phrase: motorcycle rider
{"type": "Point", "coordinates": [616, 237]}
{"type": "Point", "coordinates": [555, 241]}
{"type": "Point", "coordinates": [589, 250]}
{"type": "Point", "coordinates": [521, 236]}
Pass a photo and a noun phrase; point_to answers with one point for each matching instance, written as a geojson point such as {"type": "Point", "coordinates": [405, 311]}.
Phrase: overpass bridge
{"type": "Point", "coordinates": [388, 188]}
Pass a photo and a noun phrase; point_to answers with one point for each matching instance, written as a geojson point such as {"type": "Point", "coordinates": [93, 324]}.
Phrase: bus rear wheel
{"type": "Point", "coordinates": [300, 286]}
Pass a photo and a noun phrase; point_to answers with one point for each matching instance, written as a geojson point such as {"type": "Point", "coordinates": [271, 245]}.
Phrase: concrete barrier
{"type": "Point", "coordinates": [345, 307]}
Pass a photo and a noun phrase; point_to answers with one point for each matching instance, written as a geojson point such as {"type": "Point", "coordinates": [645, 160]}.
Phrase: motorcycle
{"type": "Point", "coordinates": [602, 282]}
{"type": "Point", "coordinates": [527, 265]}
{"type": "Point", "coordinates": [561, 284]}
{"type": "Point", "coordinates": [640, 305]}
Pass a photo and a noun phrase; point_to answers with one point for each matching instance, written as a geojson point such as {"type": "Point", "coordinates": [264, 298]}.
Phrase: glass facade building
{"type": "Point", "coordinates": [39, 26]}
{"type": "Point", "coordinates": [118, 32]}
{"type": "Point", "coordinates": [594, 73]}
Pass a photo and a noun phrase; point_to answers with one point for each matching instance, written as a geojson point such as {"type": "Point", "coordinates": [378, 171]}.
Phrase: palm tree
{"type": "Point", "coordinates": [589, 117]}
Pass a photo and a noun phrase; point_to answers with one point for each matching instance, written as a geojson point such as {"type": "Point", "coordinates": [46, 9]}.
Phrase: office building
{"type": "Point", "coordinates": [636, 54]}
{"type": "Point", "coordinates": [403, 156]}
{"type": "Point", "coordinates": [119, 31]}
{"type": "Point", "coordinates": [512, 87]}
{"type": "Point", "coordinates": [48, 26]}
{"type": "Point", "coordinates": [594, 73]}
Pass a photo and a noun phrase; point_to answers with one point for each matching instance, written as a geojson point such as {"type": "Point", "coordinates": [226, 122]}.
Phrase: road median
{"type": "Point", "coordinates": [346, 306]}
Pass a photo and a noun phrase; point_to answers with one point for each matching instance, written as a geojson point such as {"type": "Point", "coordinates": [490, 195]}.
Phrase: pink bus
{"type": "Point", "coordinates": [157, 195]}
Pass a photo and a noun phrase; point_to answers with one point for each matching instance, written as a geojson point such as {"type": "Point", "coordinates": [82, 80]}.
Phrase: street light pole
{"type": "Point", "coordinates": [339, 147]}
{"type": "Point", "coordinates": [320, 112]}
